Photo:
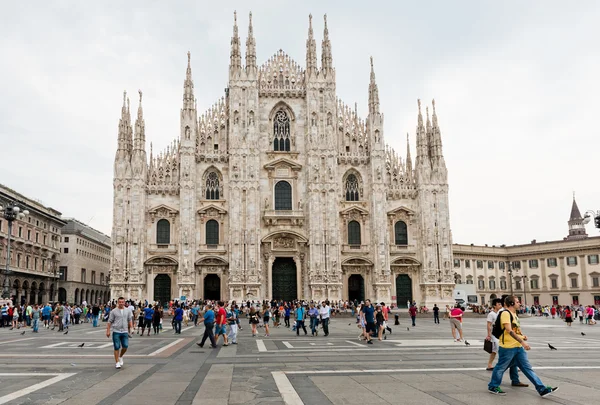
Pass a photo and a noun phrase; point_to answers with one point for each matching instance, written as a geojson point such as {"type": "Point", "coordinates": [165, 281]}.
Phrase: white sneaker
{"type": "Point", "coordinates": [121, 361]}
{"type": "Point", "coordinates": [118, 365]}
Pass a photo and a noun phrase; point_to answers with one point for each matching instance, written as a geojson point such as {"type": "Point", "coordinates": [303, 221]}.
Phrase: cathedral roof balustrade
{"type": "Point", "coordinates": [284, 217]}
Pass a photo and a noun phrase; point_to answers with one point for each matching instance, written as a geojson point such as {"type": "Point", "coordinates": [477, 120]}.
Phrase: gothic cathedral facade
{"type": "Point", "coordinates": [281, 191]}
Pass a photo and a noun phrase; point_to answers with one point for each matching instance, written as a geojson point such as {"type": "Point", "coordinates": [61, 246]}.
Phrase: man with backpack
{"type": "Point", "coordinates": [497, 308]}
{"type": "Point", "coordinates": [513, 349]}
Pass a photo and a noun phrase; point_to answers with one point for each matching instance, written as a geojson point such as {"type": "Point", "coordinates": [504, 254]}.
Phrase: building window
{"type": "Point", "coordinates": [533, 264]}
{"type": "Point", "coordinates": [481, 284]}
{"type": "Point", "coordinates": [20, 232]}
{"type": "Point", "coordinates": [572, 261]}
{"type": "Point", "coordinates": [501, 265]}
{"type": "Point", "coordinates": [353, 233]}
{"type": "Point", "coordinates": [469, 279]}
{"type": "Point", "coordinates": [468, 264]}
{"type": "Point", "coordinates": [65, 250]}
{"type": "Point", "coordinates": [212, 232]}
{"type": "Point", "coordinates": [553, 283]}
{"type": "Point", "coordinates": [534, 283]}
{"type": "Point", "coordinates": [283, 196]}
{"type": "Point", "coordinates": [93, 277]}
{"type": "Point", "coordinates": [351, 188]}
{"type": "Point", "coordinates": [492, 284]}
{"type": "Point", "coordinates": [43, 265]}
{"type": "Point", "coordinates": [212, 186]}
{"type": "Point", "coordinates": [401, 233]}
{"type": "Point", "coordinates": [503, 284]}
{"type": "Point", "coordinates": [44, 239]}
{"type": "Point", "coordinates": [163, 232]}
{"type": "Point", "coordinates": [516, 264]}
{"type": "Point", "coordinates": [490, 264]}
{"type": "Point", "coordinates": [456, 263]}
{"type": "Point", "coordinates": [37, 237]}
{"type": "Point", "coordinates": [281, 132]}
{"type": "Point", "coordinates": [593, 259]}
{"type": "Point", "coordinates": [576, 300]}
{"type": "Point", "coordinates": [28, 234]}
{"type": "Point", "coordinates": [66, 239]}
{"type": "Point", "coordinates": [517, 284]}
{"type": "Point", "coordinates": [479, 264]}
{"type": "Point", "coordinates": [573, 282]}
{"type": "Point", "coordinates": [83, 276]}
{"type": "Point", "coordinates": [27, 262]}
{"type": "Point", "coordinates": [457, 279]}
{"type": "Point", "coordinates": [595, 282]}
{"type": "Point", "coordinates": [102, 278]}
{"type": "Point", "coordinates": [552, 262]}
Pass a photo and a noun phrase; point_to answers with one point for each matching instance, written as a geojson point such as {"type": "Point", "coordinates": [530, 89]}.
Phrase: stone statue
{"type": "Point", "coordinates": [267, 203]}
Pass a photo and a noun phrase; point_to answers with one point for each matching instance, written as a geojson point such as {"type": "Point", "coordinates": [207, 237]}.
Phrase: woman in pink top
{"type": "Point", "coordinates": [456, 322]}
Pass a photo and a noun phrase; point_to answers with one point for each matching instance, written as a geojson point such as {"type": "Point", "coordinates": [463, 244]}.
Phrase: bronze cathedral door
{"type": "Point", "coordinates": [284, 279]}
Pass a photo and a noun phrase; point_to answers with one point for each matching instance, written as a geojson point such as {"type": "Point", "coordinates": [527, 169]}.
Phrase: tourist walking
{"type": "Point", "coordinates": [313, 315]}
{"type": "Point", "coordinates": [147, 314]}
{"type": "Point", "coordinates": [177, 318]}
{"type": "Point", "coordinates": [568, 316]}
{"type": "Point", "coordinates": [221, 322]}
{"type": "Point", "coordinates": [156, 318]}
{"type": "Point", "coordinates": [456, 323]}
{"type": "Point", "coordinates": [95, 315]}
{"type": "Point", "coordinates": [66, 317]}
{"type": "Point", "coordinates": [513, 346]}
{"type": "Point", "coordinates": [413, 314]}
{"type": "Point", "coordinates": [287, 312]}
{"type": "Point", "coordinates": [266, 318]}
{"type": "Point", "coordinates": [36, 313]}
{"type": "Point", "coordinates": [208, 318]}
{"type": "Point", "coordinates": [233, 327]}
{"type": "Point", "coordinates": [120, 323]}
{"type": "Point", "coordinates": [300, 314]}
{"type": "Point", "coordinates": [368, 319]}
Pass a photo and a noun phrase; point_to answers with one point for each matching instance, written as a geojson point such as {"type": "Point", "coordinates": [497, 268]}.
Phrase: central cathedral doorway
{"type": "Point", "coordinates": [403, 290]}
{"type": "Point", "coordinates": [212, 287]}
{"type": "Point", "coordinates": [284, 279]}
{"type": "Point", "coordinates": [162, 289]}
{"type": "Point", "coordinates": [356, 288]}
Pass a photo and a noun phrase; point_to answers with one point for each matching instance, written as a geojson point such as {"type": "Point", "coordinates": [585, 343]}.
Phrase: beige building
{"type": "Point", "coordinates": [281, 190]}
{"type": "Point", "coordinates": [34, 249]}
{"type": "Point", "coordinates": [556, 272]}
{"type": "Point", "coordinates": [84, 264]}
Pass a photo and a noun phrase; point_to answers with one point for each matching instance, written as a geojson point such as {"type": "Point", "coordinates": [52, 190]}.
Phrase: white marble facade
{"type": "Point", "coordinates": [280, 190]}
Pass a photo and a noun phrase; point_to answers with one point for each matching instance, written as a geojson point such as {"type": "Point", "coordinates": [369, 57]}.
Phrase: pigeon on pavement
{"type": "Point", "coordinates": [22, 333]}
{"type": "Point", "coordinates": [582, 334]}
{"type": "Point", "coordinates": [81, 345]}
{"type": "Point", "coordinates": [407, 328]}
{"type": "Point", "coordinates": [552, 347]}
{"type": "Point", "coordinates": [467, 343]}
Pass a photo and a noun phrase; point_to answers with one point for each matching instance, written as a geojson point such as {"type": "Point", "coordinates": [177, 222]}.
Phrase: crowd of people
{"type": "Point", "coordinates": [58, 315]}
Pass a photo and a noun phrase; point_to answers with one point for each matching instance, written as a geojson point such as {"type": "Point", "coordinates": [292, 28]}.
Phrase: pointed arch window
{"type": "Point", "coordinates": [212, 232]}
{"type": "Point", "coordinates": [163, 232]}
{"type": "Point", "coordinates": [352, 188]}
{"type": "Point", "coordinates": [354, 233]}
{"type": "Point", "coordinates": [283, 196]}
{"type": "Point", "coordinates": [281, 132]}
{"type": "Point", "coordinates": [212, 186]}
{"type": "Point", "coordinates": [401, 233]}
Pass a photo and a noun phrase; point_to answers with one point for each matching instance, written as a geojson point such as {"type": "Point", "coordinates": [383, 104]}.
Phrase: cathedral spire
{"type": "Point", "coordinates": [408, 158]}
{"type": "Point", "coordinates": [373, 93]}
{"type": "Point", "coordinates": [311, 50]}
{"type": "Point", "coordinates": [429, 133]}
{"type": "Point", "coordinates": [326, 58]}
{"type": "Point", "coordinates": [139, 142]}
{"type": "Point", "coordinates": [422, 142]}
{"type": "Point", "coordinates": [250, 47]}
{"type": "Point", "coordinates": [188, 86]}
{"type": "Point", "coordinates": [235, 61]}
{"type": "Point", "coordinates": [124, 127]}
{"type": "Point", "coordinates": [436, 136]}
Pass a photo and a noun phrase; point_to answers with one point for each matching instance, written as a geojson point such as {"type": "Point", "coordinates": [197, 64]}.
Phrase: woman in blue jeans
{"type": "Point", "coordinates": [313, 313]}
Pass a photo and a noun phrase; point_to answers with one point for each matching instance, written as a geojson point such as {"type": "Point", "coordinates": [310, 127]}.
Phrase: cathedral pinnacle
{"type": "Point", "coordinates": [235, 62]}
{"type": "Point", "coordinates": [408, 157]}
{"type": "Point", "coordinates": [311, 50]}
{"type": "Point", "coordinates": [373, 93]}
{"type": "Point", "coordinates": [250, 46]}
{"type": "Point", "coordinates": [188, 86]}
{"type": "Point", "coordinates": [139, 140]}
{"type": "Point", "coordinates": [326, 57]}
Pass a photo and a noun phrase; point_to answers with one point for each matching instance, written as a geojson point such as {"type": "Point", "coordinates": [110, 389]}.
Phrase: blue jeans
{"type": "Point", "coordinates": [94, 320]}
{"type": "Point", "coordinates": [28, 320]}
{"type": "Point", "coordinates": [516, 357]}
{"type": "Point", "coordinates": [177, 326]}
{"type": "Point", "coordinates": [36, 324]}
{"type": "Point", "coordinates": [314, 322]}
{"type": "Point", "coordinates": [120, 340]}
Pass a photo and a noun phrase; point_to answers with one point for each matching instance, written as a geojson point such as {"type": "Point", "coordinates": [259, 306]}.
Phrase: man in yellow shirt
{"type": "Point", "coordinates": [513, 347]}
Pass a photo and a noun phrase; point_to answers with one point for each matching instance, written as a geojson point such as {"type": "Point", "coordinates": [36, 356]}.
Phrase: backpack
{"type": "Point", "coordinates": [498, 329]}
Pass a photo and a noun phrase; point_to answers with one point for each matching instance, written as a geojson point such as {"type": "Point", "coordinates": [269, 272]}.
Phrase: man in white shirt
{"type": "Point", "coordinates": [324, 312]}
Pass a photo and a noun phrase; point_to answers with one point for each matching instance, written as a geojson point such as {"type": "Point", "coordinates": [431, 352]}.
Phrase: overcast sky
{"type": "Point", "coordinates": [515, 84]}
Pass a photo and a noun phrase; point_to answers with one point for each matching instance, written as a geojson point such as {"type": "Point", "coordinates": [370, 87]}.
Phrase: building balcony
{"type": "Point", "coordinates": [355, 249]}
{"type": "Point", "coordinates": [162, 248]}
{"type": "Point", "coordinates": [283, 217]}
{"type": "Point", "coordinates": [402, 249]}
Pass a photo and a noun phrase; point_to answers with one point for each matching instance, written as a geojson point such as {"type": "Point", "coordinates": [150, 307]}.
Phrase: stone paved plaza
{"type": "Point", "coordinates": [420, 366]}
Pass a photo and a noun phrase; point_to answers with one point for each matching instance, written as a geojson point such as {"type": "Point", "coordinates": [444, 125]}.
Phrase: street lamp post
{"type": "Point", "coordinates": [588, 216]}
{"type": "Point", "coordinates": [11, 212]}
{"type": "Point", "coordinates": [525, 289]}
{"type": "Point", "coordinates": [510, 271]}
